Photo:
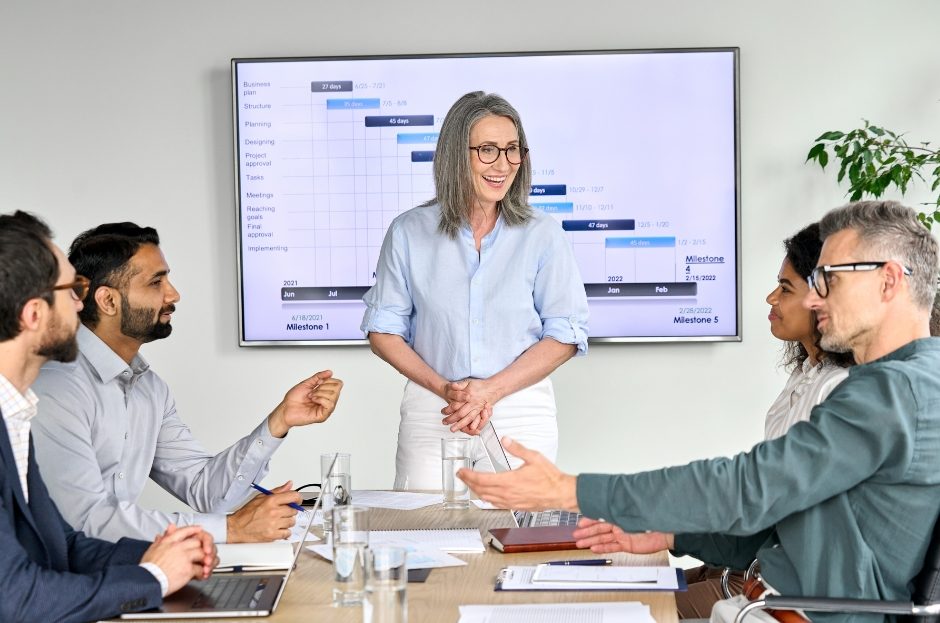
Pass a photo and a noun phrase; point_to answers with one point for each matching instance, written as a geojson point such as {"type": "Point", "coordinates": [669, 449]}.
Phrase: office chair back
{"type": "Point", "coordinates": [923, 607]}
{"type": "Point", "coordinates": [927, 582]}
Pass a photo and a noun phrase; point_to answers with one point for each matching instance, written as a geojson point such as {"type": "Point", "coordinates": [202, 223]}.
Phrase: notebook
{"type": "Point", "coordinates": [538, 539]}
{"type": "Point", "coordinates": [230, 594]}
{"type": "Point", "coordinates": [272, 556]}
{"type": "Point", "coordinates": [523, 519]}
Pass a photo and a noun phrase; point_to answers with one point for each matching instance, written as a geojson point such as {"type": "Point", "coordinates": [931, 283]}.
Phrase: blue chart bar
{"type": "Point", "coordinates": [398, 120]}
{"type": "Point", "coordinates": [640, 243]}
{"type": "Point", "coordinates": [564, 207]}
{"type": "Point", "coordinates": [417, 137]}
{"type": "Point", "coordinates": [549, 189]}
{"type": "Point", "coordinates": [351, 104]}
{"type": "Point", "coordinates": [422, 156]}
{"type": "Point", "coordinates": [331, 86]}
{"type": "Point", "coordinates": [619, 224]}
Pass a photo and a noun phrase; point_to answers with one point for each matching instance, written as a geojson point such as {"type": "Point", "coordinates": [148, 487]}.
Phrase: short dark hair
{"type": "Point", "coordinates": [103, 254]}
{"type": "Point", "coordinates": [802, 251]}
{"type": "Point", "coordinates": [28, 267]}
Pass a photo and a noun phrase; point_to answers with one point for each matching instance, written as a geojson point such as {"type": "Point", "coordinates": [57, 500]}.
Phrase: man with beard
{"type": "Point", "coordinates": [48, 571]}
{"type": "Point", "coordinates": [842, 505]}
{"type": "Point", "coordinates": [108, 422]}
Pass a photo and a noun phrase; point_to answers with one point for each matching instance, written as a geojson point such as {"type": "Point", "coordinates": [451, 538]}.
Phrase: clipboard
{"type": "Point", "coordinates": [519, 578]}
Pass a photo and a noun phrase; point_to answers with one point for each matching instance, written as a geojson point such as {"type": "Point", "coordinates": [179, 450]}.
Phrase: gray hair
{"type": "Point", "coordinates": [453, 179]}
{"type": "Point", "coordinates": [891, 231]}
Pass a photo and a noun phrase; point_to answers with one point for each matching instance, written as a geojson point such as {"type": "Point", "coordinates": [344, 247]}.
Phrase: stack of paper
{"type": "Point", "coordinates": [455, 541]}
{"type": "Point", "coordinates": [399, 500]}
{"type": "Point", "coordinates": [599, 612]}
{"type": "Point", "coordinates": [588, 578]}
{"type": "Point", "coordinates": [426, 548]}
{"type": "Point", "coordinates": [300, 527]}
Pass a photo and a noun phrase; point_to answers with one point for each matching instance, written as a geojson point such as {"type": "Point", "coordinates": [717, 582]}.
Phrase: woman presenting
{"type": "Point", "coordinates": [477, 297]}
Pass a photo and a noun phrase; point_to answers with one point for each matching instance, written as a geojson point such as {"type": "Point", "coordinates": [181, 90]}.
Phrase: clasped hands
{"type": "Point", "coordinates": [183, 554]}
{"type": "Point", "coordinates": [469, 405]}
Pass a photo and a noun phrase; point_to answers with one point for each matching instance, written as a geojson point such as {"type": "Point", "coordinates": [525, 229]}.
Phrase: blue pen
{"type": "Point", "coordinates": [266, 492]}
{"type": "Point", "coordinates": [596, 562]}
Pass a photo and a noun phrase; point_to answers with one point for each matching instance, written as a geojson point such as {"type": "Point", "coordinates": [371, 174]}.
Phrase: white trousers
{"type": "Point", "coordinates": [527, 416]}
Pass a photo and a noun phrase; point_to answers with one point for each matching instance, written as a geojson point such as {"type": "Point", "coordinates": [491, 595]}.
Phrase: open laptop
{"type": "Point", "coordinates": [229, 594]}
{"type": "Point", "coordinates": [523, 519]}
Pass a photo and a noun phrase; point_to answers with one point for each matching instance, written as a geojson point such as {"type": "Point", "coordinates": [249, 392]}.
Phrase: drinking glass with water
{"type": "Point", "coordinates": [455, 454]}
{"type": "Point", "coordinates": [386, 581]}
{"type": "Point", "coordinates": [337, 489]}
{"type": "Point", "coordinates": [350, 540]}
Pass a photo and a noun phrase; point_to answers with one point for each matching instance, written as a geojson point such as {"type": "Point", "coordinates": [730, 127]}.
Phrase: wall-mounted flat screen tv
{"type": "Point", "coordinates": [634, 152]}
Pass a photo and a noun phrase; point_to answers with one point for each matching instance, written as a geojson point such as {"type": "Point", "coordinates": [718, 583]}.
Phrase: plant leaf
{"type": "Point", "coordinates": [817, 149]}
{"type": "Point", "coordinates": [832, 135]}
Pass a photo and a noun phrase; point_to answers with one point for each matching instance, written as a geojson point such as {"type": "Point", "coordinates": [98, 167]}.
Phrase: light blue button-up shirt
{"type": "Point", "coordinates": [104, 427]}
{"type": "Point", "coordinates": [470, 314]}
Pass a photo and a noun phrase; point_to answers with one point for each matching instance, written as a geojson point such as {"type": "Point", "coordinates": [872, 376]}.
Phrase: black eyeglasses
{"type": "Point", "coordinates": [819, 278]}
{"type": "Point", "coordinates": [79, 286]}
{"type": "Point", "coordinates": [488, 154]}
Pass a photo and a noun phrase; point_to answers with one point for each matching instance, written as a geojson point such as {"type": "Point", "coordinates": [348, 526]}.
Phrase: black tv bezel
{"type": "Point", "coordinates": [734, 50]}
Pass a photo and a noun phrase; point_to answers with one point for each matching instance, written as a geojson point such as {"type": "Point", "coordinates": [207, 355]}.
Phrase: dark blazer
{"type": "Point", "coordinates": [50, 572]}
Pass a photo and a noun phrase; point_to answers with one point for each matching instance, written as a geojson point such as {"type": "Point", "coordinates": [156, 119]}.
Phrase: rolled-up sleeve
{"type": "Point", "coordinates": [389, 304]}
{"type": "Point", "coordinates": [559, 295]}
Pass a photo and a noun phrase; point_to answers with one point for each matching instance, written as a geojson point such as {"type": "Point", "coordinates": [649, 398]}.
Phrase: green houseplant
{"type": "Point", "coordinates": [875, 159]}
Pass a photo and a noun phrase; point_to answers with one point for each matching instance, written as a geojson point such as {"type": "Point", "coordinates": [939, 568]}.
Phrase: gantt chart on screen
{"type": "Point", "coordinates": [633, 154]}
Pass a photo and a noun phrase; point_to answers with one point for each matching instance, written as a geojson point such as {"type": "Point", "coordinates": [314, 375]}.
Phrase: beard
{"type": "Point", "coordinates": [59, 344]}
{"type": "Point", "coordinates": [843, 341]}
{"type": "Point", "coordinates": [139, 322]}
{"type": "Point", "coordinates": [834, 344]}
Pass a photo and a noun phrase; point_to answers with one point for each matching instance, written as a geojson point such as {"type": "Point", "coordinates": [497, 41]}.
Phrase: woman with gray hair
{"type": "Point", "coordinates": [477, 297]}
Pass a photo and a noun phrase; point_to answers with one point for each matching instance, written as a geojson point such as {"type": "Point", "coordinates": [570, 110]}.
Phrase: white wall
{"type": "Point", "coordinates": [120, 110]}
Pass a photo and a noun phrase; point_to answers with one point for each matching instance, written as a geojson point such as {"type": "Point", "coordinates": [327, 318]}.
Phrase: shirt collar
{"type": "Point", "coordinates": [489, 238]}
{"type": "Point", "coordinates": [15, 405]}
{"type": "Point", "coordinates": [811, 369]}
{"type": "Point", "coordinates": [105, 361]}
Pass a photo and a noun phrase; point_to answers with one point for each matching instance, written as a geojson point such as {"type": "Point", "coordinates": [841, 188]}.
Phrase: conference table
{"type": "Point", "coordinates": [308, 596]}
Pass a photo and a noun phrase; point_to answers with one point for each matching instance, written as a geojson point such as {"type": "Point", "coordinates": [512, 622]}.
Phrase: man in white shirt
{"type": "Point", "coordinates": [108, 422]}
{"type": "Point", "coordinates": [47, 570]}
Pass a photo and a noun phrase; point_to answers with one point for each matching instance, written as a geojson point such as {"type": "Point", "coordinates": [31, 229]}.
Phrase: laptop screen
{"type": "Point", "coordinates": [494, 449]}
{"type": "Point", "coordinates": [500, 462]}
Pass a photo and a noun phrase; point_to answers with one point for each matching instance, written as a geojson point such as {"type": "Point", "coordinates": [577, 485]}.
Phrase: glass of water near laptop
{"type": "Point", "coordinates": [337, 489]}
{"type": "Point", "coordinates": [455, 454]}
{"type": "Point", "coordinates": [350, 538]}
{"type": "Point", "coordinates": [386, 580]}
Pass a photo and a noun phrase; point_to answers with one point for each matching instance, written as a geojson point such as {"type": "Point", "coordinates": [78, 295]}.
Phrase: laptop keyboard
{"type": "Point", "coordinates": [553, 518]}
{"type": "Point", "coordinates": [231, 593]}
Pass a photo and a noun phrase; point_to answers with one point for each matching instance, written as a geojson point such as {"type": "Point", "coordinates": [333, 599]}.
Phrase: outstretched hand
{"type": "Point", "coordinates": [536, 485]}
{"type": "Point", "coordinates": [604, 538]}
{"type": "Point", "coordinates": [309, 402]}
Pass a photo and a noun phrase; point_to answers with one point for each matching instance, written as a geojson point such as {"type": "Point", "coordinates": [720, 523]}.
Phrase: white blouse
{"type": "Point", "coordinates": [807, 386]}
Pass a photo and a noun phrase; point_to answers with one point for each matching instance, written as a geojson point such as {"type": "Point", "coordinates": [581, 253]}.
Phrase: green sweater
{"type": "Point", "coordinates": [849, 498]}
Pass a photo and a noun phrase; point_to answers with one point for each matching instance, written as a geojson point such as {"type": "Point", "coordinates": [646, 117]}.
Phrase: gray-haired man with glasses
{"type": "Point", "coordinates": [819, 278]}
{"type": "Point", "coordinates": [842, 505]}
